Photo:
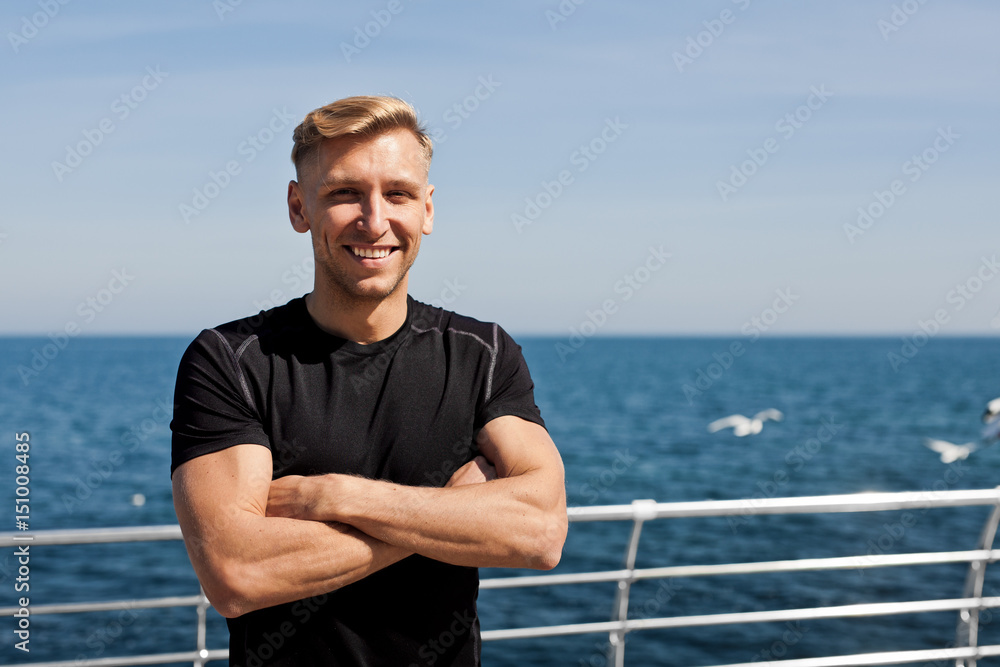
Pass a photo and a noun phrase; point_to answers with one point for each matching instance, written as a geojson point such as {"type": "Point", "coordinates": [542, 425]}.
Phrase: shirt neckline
{"type": "Point", "coordinates": [339, 343]}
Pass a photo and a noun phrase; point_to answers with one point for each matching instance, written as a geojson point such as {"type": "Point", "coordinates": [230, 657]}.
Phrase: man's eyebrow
{"type": "Point", "coordinates": [333, 180]}
{"type": "Point", "coordinates": [405, 183]}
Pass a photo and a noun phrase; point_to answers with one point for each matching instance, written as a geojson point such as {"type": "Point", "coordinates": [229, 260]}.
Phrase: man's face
{"type": "Point", "coordinates": [366, 203]}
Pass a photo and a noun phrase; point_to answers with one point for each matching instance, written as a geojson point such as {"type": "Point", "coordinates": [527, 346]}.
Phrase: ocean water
{"type": "Point", "coordinates": [629, 416]}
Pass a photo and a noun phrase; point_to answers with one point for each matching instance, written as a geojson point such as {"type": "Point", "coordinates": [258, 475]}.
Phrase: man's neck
{"type": "Point", "coordinates": [363, 322]}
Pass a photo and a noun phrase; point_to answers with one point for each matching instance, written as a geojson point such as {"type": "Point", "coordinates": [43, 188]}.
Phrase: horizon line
{"type": "Point", "coordinates": [560, 336]}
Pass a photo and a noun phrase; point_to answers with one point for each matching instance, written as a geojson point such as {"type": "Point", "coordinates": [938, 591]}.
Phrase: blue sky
{"type": "Point", "coordinates": [578, 145]}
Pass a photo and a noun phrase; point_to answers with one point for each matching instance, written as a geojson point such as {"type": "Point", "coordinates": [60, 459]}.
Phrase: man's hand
{"type": "Point", "coordinates": [298, 497]}
{"type": "Point", "coordinates": [295, 497]}
{"type": "Point", "coordinates": [476, 471]}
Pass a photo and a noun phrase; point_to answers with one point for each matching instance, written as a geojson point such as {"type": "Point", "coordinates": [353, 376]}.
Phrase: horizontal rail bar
{"type": "Point", "coordinates": [884, 658]}
{"type": "Point", "coordinates": [115, 605]}
{"type": "Point", "coordinates": [757, 567]}
{"type": "Point", "coordinates": [64, 536]}
{"type": "Point", "coordinates": [853, 502]}
{"type": "Point", "coordinates": [642, 510]}
{"type": "Point", "coordinates": [736, 618]}
{"type": "Point", "coordinates": [855, 660]}
{"type": "Point", "coordinates": [127, 661]}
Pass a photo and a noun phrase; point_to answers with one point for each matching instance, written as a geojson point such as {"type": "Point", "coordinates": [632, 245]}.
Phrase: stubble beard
{"type": "Point", "coordinates": [346, 290]}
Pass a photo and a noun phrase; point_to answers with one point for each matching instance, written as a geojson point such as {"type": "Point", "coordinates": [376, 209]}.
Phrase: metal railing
{"type": "Point", "coordinates": [965, 653]}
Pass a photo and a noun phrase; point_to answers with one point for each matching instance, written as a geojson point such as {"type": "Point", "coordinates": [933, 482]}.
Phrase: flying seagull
{"type": "Point", "coordinates": [991, 417]}
{"type": "Point", "coordinates": [950, 452]}
{"type": "Point", "coordinates": [746, 425]}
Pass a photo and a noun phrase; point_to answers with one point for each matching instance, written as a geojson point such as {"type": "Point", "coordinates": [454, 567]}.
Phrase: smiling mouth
{"type": "Point", "coordinates": [371, 253]}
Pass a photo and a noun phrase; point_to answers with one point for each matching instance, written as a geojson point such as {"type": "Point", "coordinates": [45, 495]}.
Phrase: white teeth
{"type": "Point", "coordinates": [373, 253]}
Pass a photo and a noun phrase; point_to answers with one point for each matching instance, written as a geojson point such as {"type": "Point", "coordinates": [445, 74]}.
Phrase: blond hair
{"type": "Point", "coordinates": [364, 116]}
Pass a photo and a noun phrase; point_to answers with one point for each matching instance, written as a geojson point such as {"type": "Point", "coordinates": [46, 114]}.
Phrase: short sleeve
{"type": "Point", "coordinates": [213, 406]}
{"type": "Point", "coordinates": [510, 390]}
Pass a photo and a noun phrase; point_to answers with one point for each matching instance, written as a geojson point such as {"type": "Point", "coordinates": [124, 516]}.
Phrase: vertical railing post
{"type": "Point", "coordinates": [202, 639]}
{"type": "Point", "coordinates": [642, 511]}
{"type": "Point", "coordinates": [967, 632]}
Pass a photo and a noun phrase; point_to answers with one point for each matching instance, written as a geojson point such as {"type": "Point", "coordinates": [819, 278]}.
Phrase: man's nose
{"type": "Point", "coordinates": [373, 216]}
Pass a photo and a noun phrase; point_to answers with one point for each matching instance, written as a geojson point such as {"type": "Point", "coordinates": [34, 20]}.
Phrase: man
{"type": "Point", "coordinates": [342, 464]}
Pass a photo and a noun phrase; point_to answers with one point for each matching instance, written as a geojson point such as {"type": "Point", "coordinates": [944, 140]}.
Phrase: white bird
{"type": "Point", "coordinates": [949, 451]}
{"type": "Point", "coordinates": [991, 417]}
{"type": "Point", "coordinates": [746, 425]}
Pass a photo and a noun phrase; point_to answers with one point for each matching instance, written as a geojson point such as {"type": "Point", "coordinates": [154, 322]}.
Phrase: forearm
{"type": "Point", "coordinates": [246, 561]}
{"type": "Point", "coordinates": [501, 523]}
{"type": "Point", "coordinates": [278, 560]}
{"type": "Point", "coordinates": [505, 508]}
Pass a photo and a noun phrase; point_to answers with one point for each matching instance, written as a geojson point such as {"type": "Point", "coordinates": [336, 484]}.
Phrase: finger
{"type": "Point", "coordinates": [485, 467]}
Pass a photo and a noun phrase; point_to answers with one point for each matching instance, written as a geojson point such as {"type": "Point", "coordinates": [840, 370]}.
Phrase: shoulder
{"type": "Point", "coordinates": [267, 328]}
{"type": "Point", "coordinates": [447, 324]}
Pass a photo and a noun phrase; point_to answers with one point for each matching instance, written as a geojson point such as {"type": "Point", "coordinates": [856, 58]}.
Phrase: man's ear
{"type": "Point", "coordinates": [428, 226]}
{"type": "Point", "coordinates": [296, 208]}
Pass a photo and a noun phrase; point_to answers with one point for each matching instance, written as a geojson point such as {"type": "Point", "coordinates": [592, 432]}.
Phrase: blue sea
{"type": "Point", "coordinates": [629, 416]}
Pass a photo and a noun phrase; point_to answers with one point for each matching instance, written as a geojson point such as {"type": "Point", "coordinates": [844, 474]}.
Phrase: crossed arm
{"type": "Point", "coordinates": [255, 543]}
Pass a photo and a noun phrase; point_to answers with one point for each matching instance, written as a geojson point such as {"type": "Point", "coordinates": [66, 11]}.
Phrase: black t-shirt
{"type": "Point", "coordinates": [404, 409]}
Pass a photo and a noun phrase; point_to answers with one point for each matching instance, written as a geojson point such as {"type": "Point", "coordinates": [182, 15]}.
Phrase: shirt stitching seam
{"type": "Point", "coordinates": [235, 359]}
{"type": "Point", "coordinates": [493, 350]}
{"type": "Point", "coordinates": [243, 347]}
{"type": "Point", "coordinates": [493, 363]}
